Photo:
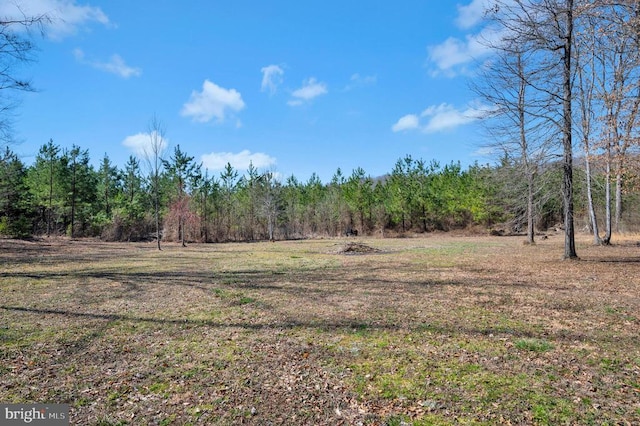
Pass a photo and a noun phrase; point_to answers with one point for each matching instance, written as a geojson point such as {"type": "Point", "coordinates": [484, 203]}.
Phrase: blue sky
{"type": "Point", "coordinates": [294, 87]}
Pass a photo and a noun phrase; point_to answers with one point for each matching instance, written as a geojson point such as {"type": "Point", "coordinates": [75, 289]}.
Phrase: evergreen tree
{"type": "Point", "coordinates": [132, 201]}
{"type": "Point", "coordinates": [229, 182]}
{"type": "Point", "coordinates": [13, 196]}
{"type": "Point", "coordinates": [358, 192]}
{"type": "Point", "coordinates": [108, 184]}
{"type": "Point", "coordinates": [205, 191]}
{"type": "Point", "coordinates": [43, 180]}
{"type": "Point", "coordinates": [181, 171]}
{"type": "Point", "coordinates": [81, 182]}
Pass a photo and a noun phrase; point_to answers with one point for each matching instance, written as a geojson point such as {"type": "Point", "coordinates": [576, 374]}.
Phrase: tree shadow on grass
{"type": "Point", "coordinates": [323, 325]}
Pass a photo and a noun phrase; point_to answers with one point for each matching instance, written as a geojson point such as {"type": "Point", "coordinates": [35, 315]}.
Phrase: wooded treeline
{"type": "Point", "coordinates": [61, 193]}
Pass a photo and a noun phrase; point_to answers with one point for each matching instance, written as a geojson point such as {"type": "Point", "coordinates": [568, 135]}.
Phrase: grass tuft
{"type": "Point", "coordinates": [533, 345]}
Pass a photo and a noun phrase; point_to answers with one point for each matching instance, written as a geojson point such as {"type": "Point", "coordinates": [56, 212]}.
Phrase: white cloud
{"type": "Point", "coordinates": [115, 65]}
{"type": "Point", "coordinates": [66, 16]}
{"type": "Point", "coordinates": [473, 13]}
{"type": "Point", "coordinates": [408, 122]}
{"type": "Point", "coordinates": [239, 161]}
{"type": "Point", "coordinates": [271, 78]}
{"type": "Point", "coordinates": [140, 143]}
{"type": "Point", "coordinates": [212, 102]}
{"type": "Point", "coordinates": [446, 117]}
{"type": "Point", "coordinates": [443, 117]}
{"type": "Point", "coordinates": [311, 88]}
{"type": "Point", "coordinates": [451, 56]}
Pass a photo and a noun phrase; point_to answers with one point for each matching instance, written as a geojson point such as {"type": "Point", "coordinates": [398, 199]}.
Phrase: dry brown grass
{"type": "Point", "coordinates": [433, 330]}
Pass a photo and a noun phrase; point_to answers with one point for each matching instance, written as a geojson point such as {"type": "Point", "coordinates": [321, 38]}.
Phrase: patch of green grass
{"type": "Point", "coordinates": [167, 421]}
{"type": "Point", "coordinates": [386, 367]}
{"type": "Point", "coordinates": [245, 300]}
{"type": "Point", "coordinates": [158, 387]}
{"type": "Point", "coordinates": [549, 410]}
{"type": "Point", "coordinates": [83, 401]}
{"type": "Point", "coordinates": [610, 310]}
{"type": "Point", "coordinates": [221, 293]}
{"type": "Point", "coordinates": [24, 336]}
{"type": "Point", "coordinates": [394, 367]}
{"type": "Point", "coordinates": [434, 420]}
{"type": "Point", "coordinates": [234, 297]}
{"type": "Point", "coordinates": [397, 420]}
{"type": "Point", "coordinates": [533, 345]}
{"type": "Point", "coordinates": [115, 395]}
{"type": "Point", "coordinates": [610, 364]}
{"type": "Point", "coordinates": [8, 336]}
{"type": "Point", "coordinates": [621, 313]}
{"type": "Point", "coordinates": [243, 413]}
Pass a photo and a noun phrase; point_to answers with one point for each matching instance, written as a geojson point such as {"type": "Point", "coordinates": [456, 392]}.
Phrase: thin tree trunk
{"type": "Point", "coordinates": [618, 216]}
{"type": "Point", "coordinates": [530, 207]}
{"type": "Point", "coordinates": [73, 199]}
{"type": "Point", "coordinates": [156, 196]}
{"type": "Point", "coordinates": [607, 198]}
{"type": "Point", "coordinates": [592, 212]}
{"type": "Point", "coordinates": [157, 214]}
{"type": "Point", "coordinates": [50, 210]}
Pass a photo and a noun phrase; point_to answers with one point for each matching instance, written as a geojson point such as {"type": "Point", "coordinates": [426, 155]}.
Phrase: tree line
{"type": "Point", "coordinates": [61, 193]}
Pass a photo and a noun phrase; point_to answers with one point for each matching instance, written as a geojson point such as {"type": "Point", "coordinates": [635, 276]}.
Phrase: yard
{"type": "Point", "coordinates": [434, 330]}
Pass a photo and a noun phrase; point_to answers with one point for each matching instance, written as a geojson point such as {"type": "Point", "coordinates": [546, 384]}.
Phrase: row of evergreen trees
{"type": "Point", "coordinates": [62, 194]}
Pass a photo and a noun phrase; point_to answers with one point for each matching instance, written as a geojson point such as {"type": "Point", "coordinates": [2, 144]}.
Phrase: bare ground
{"type": "Point", "coordinates": [435, 330]}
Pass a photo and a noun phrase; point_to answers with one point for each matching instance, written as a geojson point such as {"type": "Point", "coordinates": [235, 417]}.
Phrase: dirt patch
{"type": "Point", "coordinates": [357, 248]}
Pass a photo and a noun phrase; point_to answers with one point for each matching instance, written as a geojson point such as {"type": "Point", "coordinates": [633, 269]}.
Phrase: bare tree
{"type": "Point", "coordinates": [618, 54]}
{"type": "Point", "coordinates": [154, 156]}
{"type": "Point", "coordinates": [587, 105]}
{"type": "Point", "coordinates": [16, 49]}
{"type": "Point", "coordinates": [517, 117]}
{"type": "Point", "coordinates": [608, 76]}
{"type": "Point", "coordinates": [546, 28]}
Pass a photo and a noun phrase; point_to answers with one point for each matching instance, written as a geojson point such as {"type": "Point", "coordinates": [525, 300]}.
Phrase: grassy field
{"type": "Point", "coordinates": [437, 330]}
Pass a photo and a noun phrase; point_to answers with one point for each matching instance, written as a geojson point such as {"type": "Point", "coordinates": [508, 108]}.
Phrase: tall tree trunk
{"type": "Point", "coordinates": [522, 87]}
{"type": "Point", "coordinates": [586, 89]}
{"type": "Point", "coordinates": [567, 187]}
